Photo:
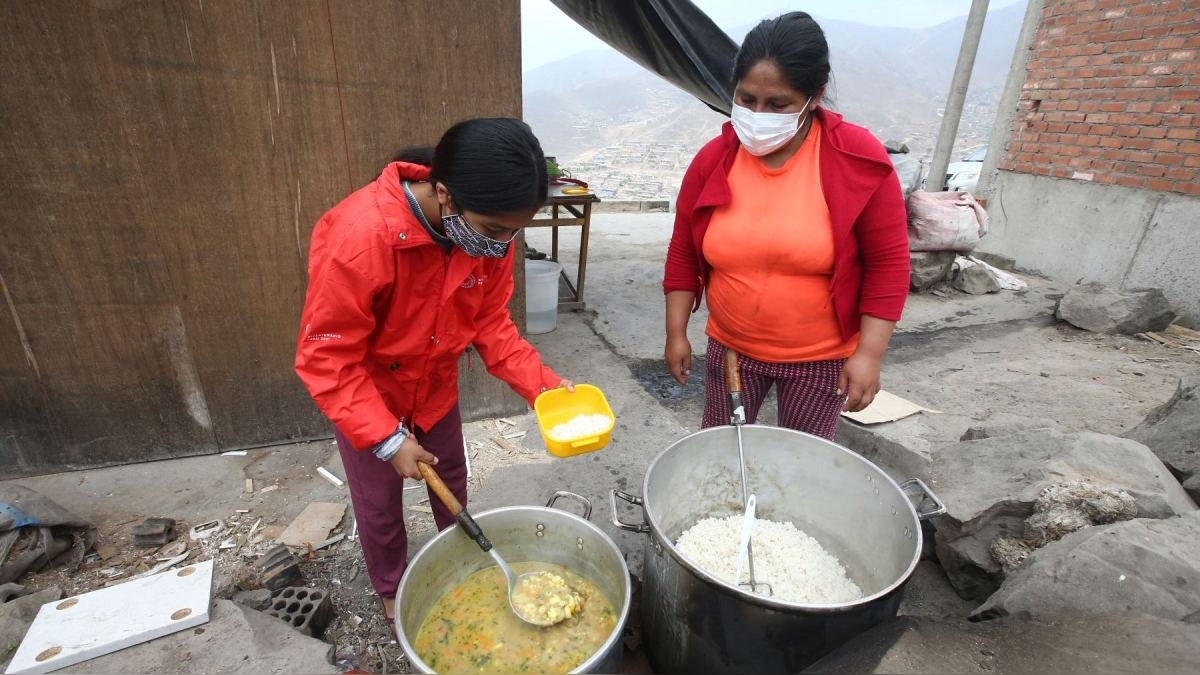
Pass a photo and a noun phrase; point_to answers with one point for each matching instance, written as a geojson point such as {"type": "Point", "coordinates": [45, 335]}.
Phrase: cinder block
{"type": "Point", "coordinates": [308, 610]}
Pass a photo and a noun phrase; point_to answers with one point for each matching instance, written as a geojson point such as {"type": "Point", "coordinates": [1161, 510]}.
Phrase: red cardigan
{"type": "Point", "coordinates": [866, 205]}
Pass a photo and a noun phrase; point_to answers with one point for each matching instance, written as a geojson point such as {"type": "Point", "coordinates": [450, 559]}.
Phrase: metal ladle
{"type": "Point", "coordinates": [472, 530]}
{"type": "Point", "coordinates": [737, 417]}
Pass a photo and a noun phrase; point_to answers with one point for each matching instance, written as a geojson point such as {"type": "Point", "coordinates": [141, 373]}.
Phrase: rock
{"type": "Point", "coordinates": [929, 594]}
{"type": "Point", "coordinates": [1100, 309]}
{"type": "Point", "coordinates": [976, 280]}
{"type": "Point", "coordinates": [1147, 566]}
{"type": "Point", "coordinates": [11, 591]}
{"type": "Point", "coordinates": [279, 568]}
{"type": "Point", "coordinates": [929, 267]}
{"type": "Point", "coordinates": [1192, 485]}
{"type": "Point", "coordinates": [899, 448]}
{"type": "Point", "coordinates": [153, 532]}
{"type": "Point", "coordinates": [894, 146]}
{"type": "Point", "coordinates": [259, 599]}
{"type": "Point", "coordinates": [1051, 644]}
{"type": "Point", "coordinates": [990, 488]}
{"type": "Point", "coordinates": [235, 640]}
{"type": "Point", "coordinates": [15, 617]}
{"type": "Point", "coordinates": [1172, 431]}
{"type": "Point", "coordinates": [996, 260]}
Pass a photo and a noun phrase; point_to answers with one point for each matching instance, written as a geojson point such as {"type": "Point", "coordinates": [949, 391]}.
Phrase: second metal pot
{"type": "Point", "coordinates": [693, 621]}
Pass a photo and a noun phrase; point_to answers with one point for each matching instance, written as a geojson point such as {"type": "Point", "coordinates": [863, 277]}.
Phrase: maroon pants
{"type": "Point", "coordinates": [807, 392]}
{"type": "Point", "coordinates": [376, 491]}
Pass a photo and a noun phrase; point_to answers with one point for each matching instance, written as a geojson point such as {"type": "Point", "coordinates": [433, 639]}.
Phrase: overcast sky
{"type": "Point", "coordinates": [548, 35]}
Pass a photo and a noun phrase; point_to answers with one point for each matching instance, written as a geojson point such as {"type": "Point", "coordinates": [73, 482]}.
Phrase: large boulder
{"type": "Point", "coordinates": [930, 267]}
{"type": "Point", "coordinates": [1100, 309]}
{"type": "Point", "coordinates": [990, 488]}
{"type": "Point", "coordinates": [1172, 431]}
{"type": "Point", "coordinates": [1069, 643]}
{"type": "Point", "coordinates": [1148, 566]}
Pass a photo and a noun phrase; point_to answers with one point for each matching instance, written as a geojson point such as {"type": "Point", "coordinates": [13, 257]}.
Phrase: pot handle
{"type": "Point", "coordinates": [587, 505]}
{"type": "Point", "coordinates": [921, 497]}
{"type": "Point", "coordinates": [613, 495]}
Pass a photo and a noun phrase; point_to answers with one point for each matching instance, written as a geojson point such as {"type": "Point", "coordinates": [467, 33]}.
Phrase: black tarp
{"type": "Point", "coordinates": [671, 38]}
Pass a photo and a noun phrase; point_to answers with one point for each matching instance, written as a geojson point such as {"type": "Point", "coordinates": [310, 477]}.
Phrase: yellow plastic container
{"type": "Point", "coordinates": [559, 406]}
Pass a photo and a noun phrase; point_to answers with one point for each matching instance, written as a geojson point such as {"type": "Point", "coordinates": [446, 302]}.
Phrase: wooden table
{"type": "Point", "coordinates": [569, 211]}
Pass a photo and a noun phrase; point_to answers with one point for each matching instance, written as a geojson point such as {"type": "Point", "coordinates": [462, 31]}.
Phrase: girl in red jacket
{"type": "Point", "coordinates": [405, 275]}
{"type": "Point", "coordinates": [793, 220]}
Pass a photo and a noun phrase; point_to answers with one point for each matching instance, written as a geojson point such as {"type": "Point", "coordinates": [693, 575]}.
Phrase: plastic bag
{"type": "Point", "coordinates": [944, 221]}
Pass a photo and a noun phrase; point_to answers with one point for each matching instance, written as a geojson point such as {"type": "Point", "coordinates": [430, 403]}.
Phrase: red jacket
{"type": "Point", "coordinates": [388, 314]}
{"type": "Point", "coordinates": [866, 205]}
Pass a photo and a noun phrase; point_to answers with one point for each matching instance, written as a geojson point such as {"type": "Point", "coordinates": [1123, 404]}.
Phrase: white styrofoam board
{"type": "Point", "coordinates": [101, 622]}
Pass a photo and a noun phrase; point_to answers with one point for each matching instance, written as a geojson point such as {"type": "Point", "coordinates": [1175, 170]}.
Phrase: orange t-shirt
{"type": "Point", "coordinates": [771, 251]}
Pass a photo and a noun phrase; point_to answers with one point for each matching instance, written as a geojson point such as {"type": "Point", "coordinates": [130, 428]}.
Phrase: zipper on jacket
{"type": "Point", "coordinates": [433, 339]}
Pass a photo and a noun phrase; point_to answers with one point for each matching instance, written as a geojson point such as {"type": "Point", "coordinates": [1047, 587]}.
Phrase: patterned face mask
{"type": "Point", "coordinates": [471, 242]}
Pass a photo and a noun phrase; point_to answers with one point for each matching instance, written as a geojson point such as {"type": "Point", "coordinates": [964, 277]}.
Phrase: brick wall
{"type": "Point", "coordinates": [1112, 95]}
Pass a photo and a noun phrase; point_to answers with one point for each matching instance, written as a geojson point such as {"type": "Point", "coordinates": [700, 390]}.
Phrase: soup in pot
{"type": "Point", "coordinates": [472, 628]}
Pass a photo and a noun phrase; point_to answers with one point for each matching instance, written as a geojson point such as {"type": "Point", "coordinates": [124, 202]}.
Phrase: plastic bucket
{"type": "Point", "coordinates": [541, 295]}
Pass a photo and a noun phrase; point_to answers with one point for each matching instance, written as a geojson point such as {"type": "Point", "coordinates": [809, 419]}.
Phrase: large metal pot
{"type": "Point", "coordinates": [519, 533]}
{"type": "Point", "coordinates": [695, 622]}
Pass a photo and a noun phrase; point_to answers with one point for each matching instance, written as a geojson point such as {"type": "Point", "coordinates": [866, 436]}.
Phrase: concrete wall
{"type": "Point", "coordinates": [1079, 231]}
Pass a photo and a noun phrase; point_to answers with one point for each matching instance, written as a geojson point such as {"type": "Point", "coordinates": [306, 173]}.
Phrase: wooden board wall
{"type": "Point", "coordinates": [163, 163]}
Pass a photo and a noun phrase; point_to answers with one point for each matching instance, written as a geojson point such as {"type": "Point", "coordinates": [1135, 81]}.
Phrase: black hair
{"type": "Point", "coordinates": [795, 43]}
{"type": "Point", "coordinates": [492, 165]}
{"type": "Point", "coordinates": [422, 155]}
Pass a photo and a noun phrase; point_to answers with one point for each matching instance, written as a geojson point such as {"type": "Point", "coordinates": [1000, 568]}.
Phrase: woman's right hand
{"type": "Point", "coordinates": [405, 460]}
{"type": "Point", "coordinates": [679, 357]}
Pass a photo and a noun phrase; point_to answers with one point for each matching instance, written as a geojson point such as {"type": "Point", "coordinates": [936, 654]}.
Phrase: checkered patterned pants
{"type": "Point", "coordinates": [807, 392]}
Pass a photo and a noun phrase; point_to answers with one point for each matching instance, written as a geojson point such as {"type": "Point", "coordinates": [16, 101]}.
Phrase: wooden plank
{"type": "Point", "coordinates": [313, 524]}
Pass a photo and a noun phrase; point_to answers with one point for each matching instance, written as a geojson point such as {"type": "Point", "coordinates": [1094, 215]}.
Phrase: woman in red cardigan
{"type": "Point", "coordinates": [793, 221]}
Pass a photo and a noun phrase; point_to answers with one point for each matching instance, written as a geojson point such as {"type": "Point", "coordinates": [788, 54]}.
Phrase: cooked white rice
{"type": "Point", "coordinates": [579, 426]}
{"type": "Point", "coordinates": [796, 566]}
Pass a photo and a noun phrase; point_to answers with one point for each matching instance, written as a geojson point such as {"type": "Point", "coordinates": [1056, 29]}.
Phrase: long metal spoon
{"type": "Point", "coordinates": [472, 530]}
{"type": "Point", "coordinates": [737, 417]}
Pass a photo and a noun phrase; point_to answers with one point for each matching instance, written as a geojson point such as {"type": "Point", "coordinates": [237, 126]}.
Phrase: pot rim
{"type": "Point", "coordinates": [766, 601]}
{"type": "Point", "coordinates": [622, 616]}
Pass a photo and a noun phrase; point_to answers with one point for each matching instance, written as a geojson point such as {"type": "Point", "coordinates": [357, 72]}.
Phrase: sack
{"type": "Point", "coordinates": [944, 221]}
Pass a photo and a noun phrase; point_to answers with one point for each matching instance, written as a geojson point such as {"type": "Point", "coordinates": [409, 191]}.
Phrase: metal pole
{"type": "Point", "coordinates": [958, 92]}
{"type": "Point", "coordinates": [1007, 109]}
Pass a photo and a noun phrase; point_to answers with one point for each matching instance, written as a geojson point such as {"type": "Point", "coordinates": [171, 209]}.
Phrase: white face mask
{"type": "Point", "coordinates": [762, 133]}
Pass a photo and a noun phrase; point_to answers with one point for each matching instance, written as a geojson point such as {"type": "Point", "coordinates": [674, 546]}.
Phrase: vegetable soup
{"type": "Point", "coordinates": [472, 628]}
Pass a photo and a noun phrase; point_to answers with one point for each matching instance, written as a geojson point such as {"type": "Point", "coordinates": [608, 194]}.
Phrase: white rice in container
{"type": "Point", "coordinates": [796, 566]}
{"type": "Point", "coordinates": [579, 426]}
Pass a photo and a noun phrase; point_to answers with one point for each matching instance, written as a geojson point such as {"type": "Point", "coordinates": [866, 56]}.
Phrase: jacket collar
{"type": "Point", "coordinates": [716, 187]}
{"type": "Point", "coordinates": [403, 227]}
{"type": "Point", "coordinates": [405, 231]}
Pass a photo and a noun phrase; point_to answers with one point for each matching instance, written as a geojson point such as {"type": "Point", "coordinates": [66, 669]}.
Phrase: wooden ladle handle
{"type": "Point", "coordinates": [733, 376]}
{"type": "Point", "coordinates": [447, 498]}
{"type": "Point", "coordinates": [439, 488]}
